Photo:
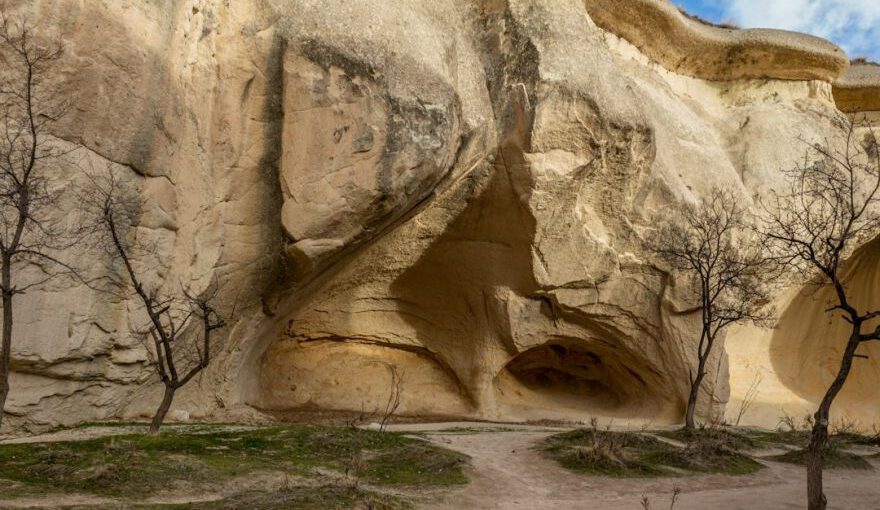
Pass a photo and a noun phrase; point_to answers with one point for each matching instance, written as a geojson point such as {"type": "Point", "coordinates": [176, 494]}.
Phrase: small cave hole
{"type": "Point", "coordinates": [579, 374]}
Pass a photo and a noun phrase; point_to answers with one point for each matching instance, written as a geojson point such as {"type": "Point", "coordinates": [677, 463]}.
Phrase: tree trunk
{"type": "Point", "coordinates": [6, 341]}
{"type": "Point", "coordinates": [159, 417]}
{"type": "Point", "coordinates": [815, 463]}
{"type": "Point", "coordinates": [819, 435]}
{"type": "Point", "coordinates": [689, 421]}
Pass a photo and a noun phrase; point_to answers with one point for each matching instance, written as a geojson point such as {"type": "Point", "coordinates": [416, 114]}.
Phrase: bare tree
{"type": "Point", "coordinates": [749, 398]}
{"type": "Point", "coordinates": [180, 324]}
{"type": "Point", "coordinates": [30, 237]}
{"type": "Point", "coordinates": [394, 393]}
{"type": "Point", "coordinates": [829, 209]}
{"type": "Point", "coordinates": [725, 269]}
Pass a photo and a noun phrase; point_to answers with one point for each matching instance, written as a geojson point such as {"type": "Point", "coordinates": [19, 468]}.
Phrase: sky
{"type": "Point", "coordinates": [853, 24]}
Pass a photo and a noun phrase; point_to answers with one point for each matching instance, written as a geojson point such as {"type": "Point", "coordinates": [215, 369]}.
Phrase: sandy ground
{"type": "Point", "coordinates": [509, 474]}
{"type": "Point", "coordinates": [95, 432]}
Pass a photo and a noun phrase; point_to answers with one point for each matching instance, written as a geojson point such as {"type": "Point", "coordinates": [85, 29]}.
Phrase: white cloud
{"type": "Point", "coordinates": [853, 24]}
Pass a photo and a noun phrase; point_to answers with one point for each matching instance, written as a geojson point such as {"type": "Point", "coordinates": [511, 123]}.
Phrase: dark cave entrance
{"type": "Point", "coordinates": [584, 376]}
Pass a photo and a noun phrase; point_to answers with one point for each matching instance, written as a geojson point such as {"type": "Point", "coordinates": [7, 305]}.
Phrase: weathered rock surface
{"type": "Point", "coordinates": [456, 192]}
{"type": "Point", "coordinates": [691, 47]}
{"type": "Point", "coordinates": [858, 89]}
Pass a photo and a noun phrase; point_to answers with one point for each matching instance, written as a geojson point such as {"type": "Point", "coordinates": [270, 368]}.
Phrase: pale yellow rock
{"type": "Point", "coordinates": [858, 90]}
{"type": "Point", "coordinates": [456, 191]}
{"type": "Point", "coordinates": [690, 47]}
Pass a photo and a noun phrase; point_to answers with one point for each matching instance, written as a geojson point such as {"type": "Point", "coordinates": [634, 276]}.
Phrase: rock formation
{"type": "Point", "coordinates": [457, 191]}
{"type": "Point", "coordinates": [858, 89]}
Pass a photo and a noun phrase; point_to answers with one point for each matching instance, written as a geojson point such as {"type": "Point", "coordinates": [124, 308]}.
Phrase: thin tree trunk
{"type": "Point", "coordinates": [815, 462]}
{"type": "Point", "coordinates": [159, 417]}
{"type": "Point", "coordinates": [689, 421]}
{"type": "Point", "coordinates": [6, 347]}
{"type": "Point", "coordinates": [816, 499]}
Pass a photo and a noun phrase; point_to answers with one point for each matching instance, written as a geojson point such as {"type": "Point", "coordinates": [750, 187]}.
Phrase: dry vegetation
{"type": "Point", "coordinates": [722, 450]}
{"type": "Point", "coordinates": [283, 467]}
{"type": "Point", "coordinates": [862, 61]}
{"type": "Point", "coordinates": [635, 454]}
{"type": "Point", "coordinates": [724, 24]}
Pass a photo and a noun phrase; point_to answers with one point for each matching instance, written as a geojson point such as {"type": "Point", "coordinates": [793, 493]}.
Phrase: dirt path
{"type": "Point", "coordinates": [509, 474]}
{"type": "Point", "coordinates": [99, 431]}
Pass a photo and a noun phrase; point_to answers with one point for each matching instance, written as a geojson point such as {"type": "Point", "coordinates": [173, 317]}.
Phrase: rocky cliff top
{"type": "Point", "coordinates": [687, 46]}
{"type": "Point", "coordinates": [858, 89]}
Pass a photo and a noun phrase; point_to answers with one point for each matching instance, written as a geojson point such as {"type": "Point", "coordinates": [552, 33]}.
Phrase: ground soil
{"type": "Point", "coordinates": [509, 473]}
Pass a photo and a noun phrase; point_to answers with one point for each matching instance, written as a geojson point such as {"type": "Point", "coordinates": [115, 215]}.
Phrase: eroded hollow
{"type": "Point", "coordinates": [581, 376]}
{"type": "Point", "coordinates": [808, 342]}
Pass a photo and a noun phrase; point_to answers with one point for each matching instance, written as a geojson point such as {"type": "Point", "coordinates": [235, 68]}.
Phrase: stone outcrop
{"type": "Point", "coordinates": [858, 90]}
{"type": "Point", "coordinates": [688, 46]}
{"type": "Point", "coordinates": [455, 193]}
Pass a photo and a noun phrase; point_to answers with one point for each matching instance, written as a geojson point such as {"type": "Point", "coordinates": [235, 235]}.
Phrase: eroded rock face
{"type": "Point", "coordinates": [453, 193]}
{"type": "Point", "coordinates": [858, 90]}
{"type": "Point", "coordinates": [695, 48]}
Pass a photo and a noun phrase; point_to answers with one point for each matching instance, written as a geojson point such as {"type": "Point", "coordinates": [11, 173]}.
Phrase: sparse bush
{"type": "Point", "coordinates": [354, 468]}
{"type": "Point", "coordinates": [646, 501]}
{"type": "Point", "coordinates": [749, 398]}
{"type": "Point", "coordinates": [628, 454]}
{"type": "Point", "coordinates": [728, 24]}
{"type": "Point", "coordinates": [844, 426]}
{"type": "Point", "coordinates": [394, 393]}
{"type": "Point", "coordinates": [711, 455]}
{"type": "Point", "coordinates": [725, 437]}
{"type": "Point", "coordinates": [864, 61]}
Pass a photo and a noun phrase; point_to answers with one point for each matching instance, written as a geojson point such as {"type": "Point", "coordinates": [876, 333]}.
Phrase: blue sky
{"type": "Point", "coordinates": [852, 24]}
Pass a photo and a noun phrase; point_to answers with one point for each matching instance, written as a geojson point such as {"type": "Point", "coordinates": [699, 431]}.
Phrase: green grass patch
{"type": "Point", "coordinates": [769, 438]}
{"type": "Point", "coordinates": [849, 438]}
{"type": "Point", "coordinates": [139, 465]}
{"type": "Point", "coordinates": [800, 438]}
{"type": "Point", "coordinates": [835, 458]}
{"type": "Point", "coordinates": [628, 454]}
{"type": "Point", "coordinates": [708, 455]}
{"type": "Point", "coordinates": [417, 464]}
{"type": "Point", "coordinates": [599, 452]}
{"type": "Point", "coordinates": [732, 439]}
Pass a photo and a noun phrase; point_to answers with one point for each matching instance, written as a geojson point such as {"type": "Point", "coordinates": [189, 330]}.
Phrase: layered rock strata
{"type": "Point", "coordinates": [453, 194]}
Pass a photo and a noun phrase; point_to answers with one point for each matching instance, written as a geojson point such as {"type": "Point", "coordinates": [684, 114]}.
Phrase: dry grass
{"type": "Point", "coordinates": [862, 61]}
{"type": "Point", "coordinates": [724, 24]}
{"type": "Point", "coordinates": [210, 460]}
{"type": "Point", "coordinates": [835, 458]}
{"type": "Point", "coordinates": [630, 454]}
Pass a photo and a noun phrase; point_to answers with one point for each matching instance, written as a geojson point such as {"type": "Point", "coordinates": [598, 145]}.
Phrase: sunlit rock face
{"type": "Point", "coordinates": [452, 193]}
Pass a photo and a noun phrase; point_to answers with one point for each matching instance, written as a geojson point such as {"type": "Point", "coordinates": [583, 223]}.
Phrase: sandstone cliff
{"type": "Point", "coordinates": [455, 190]}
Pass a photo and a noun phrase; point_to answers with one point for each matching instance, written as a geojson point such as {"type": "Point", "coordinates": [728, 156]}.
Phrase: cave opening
{"type": "Point", "coordinates": [581, 376]}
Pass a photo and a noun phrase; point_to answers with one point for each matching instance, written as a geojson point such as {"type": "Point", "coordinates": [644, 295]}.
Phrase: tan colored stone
{"type": "Point", "coordinates": [687, 46]}
{"type": "Point", "coordinates": [858, 90]}
{"type": "Point", "coordinates": [457, 189]}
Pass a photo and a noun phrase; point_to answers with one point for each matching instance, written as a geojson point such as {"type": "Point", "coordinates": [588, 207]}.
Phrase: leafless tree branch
{"type": "Point", "coordinates": [829, 209]}
{"type": "Point", "coordinates": [727, 271]}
